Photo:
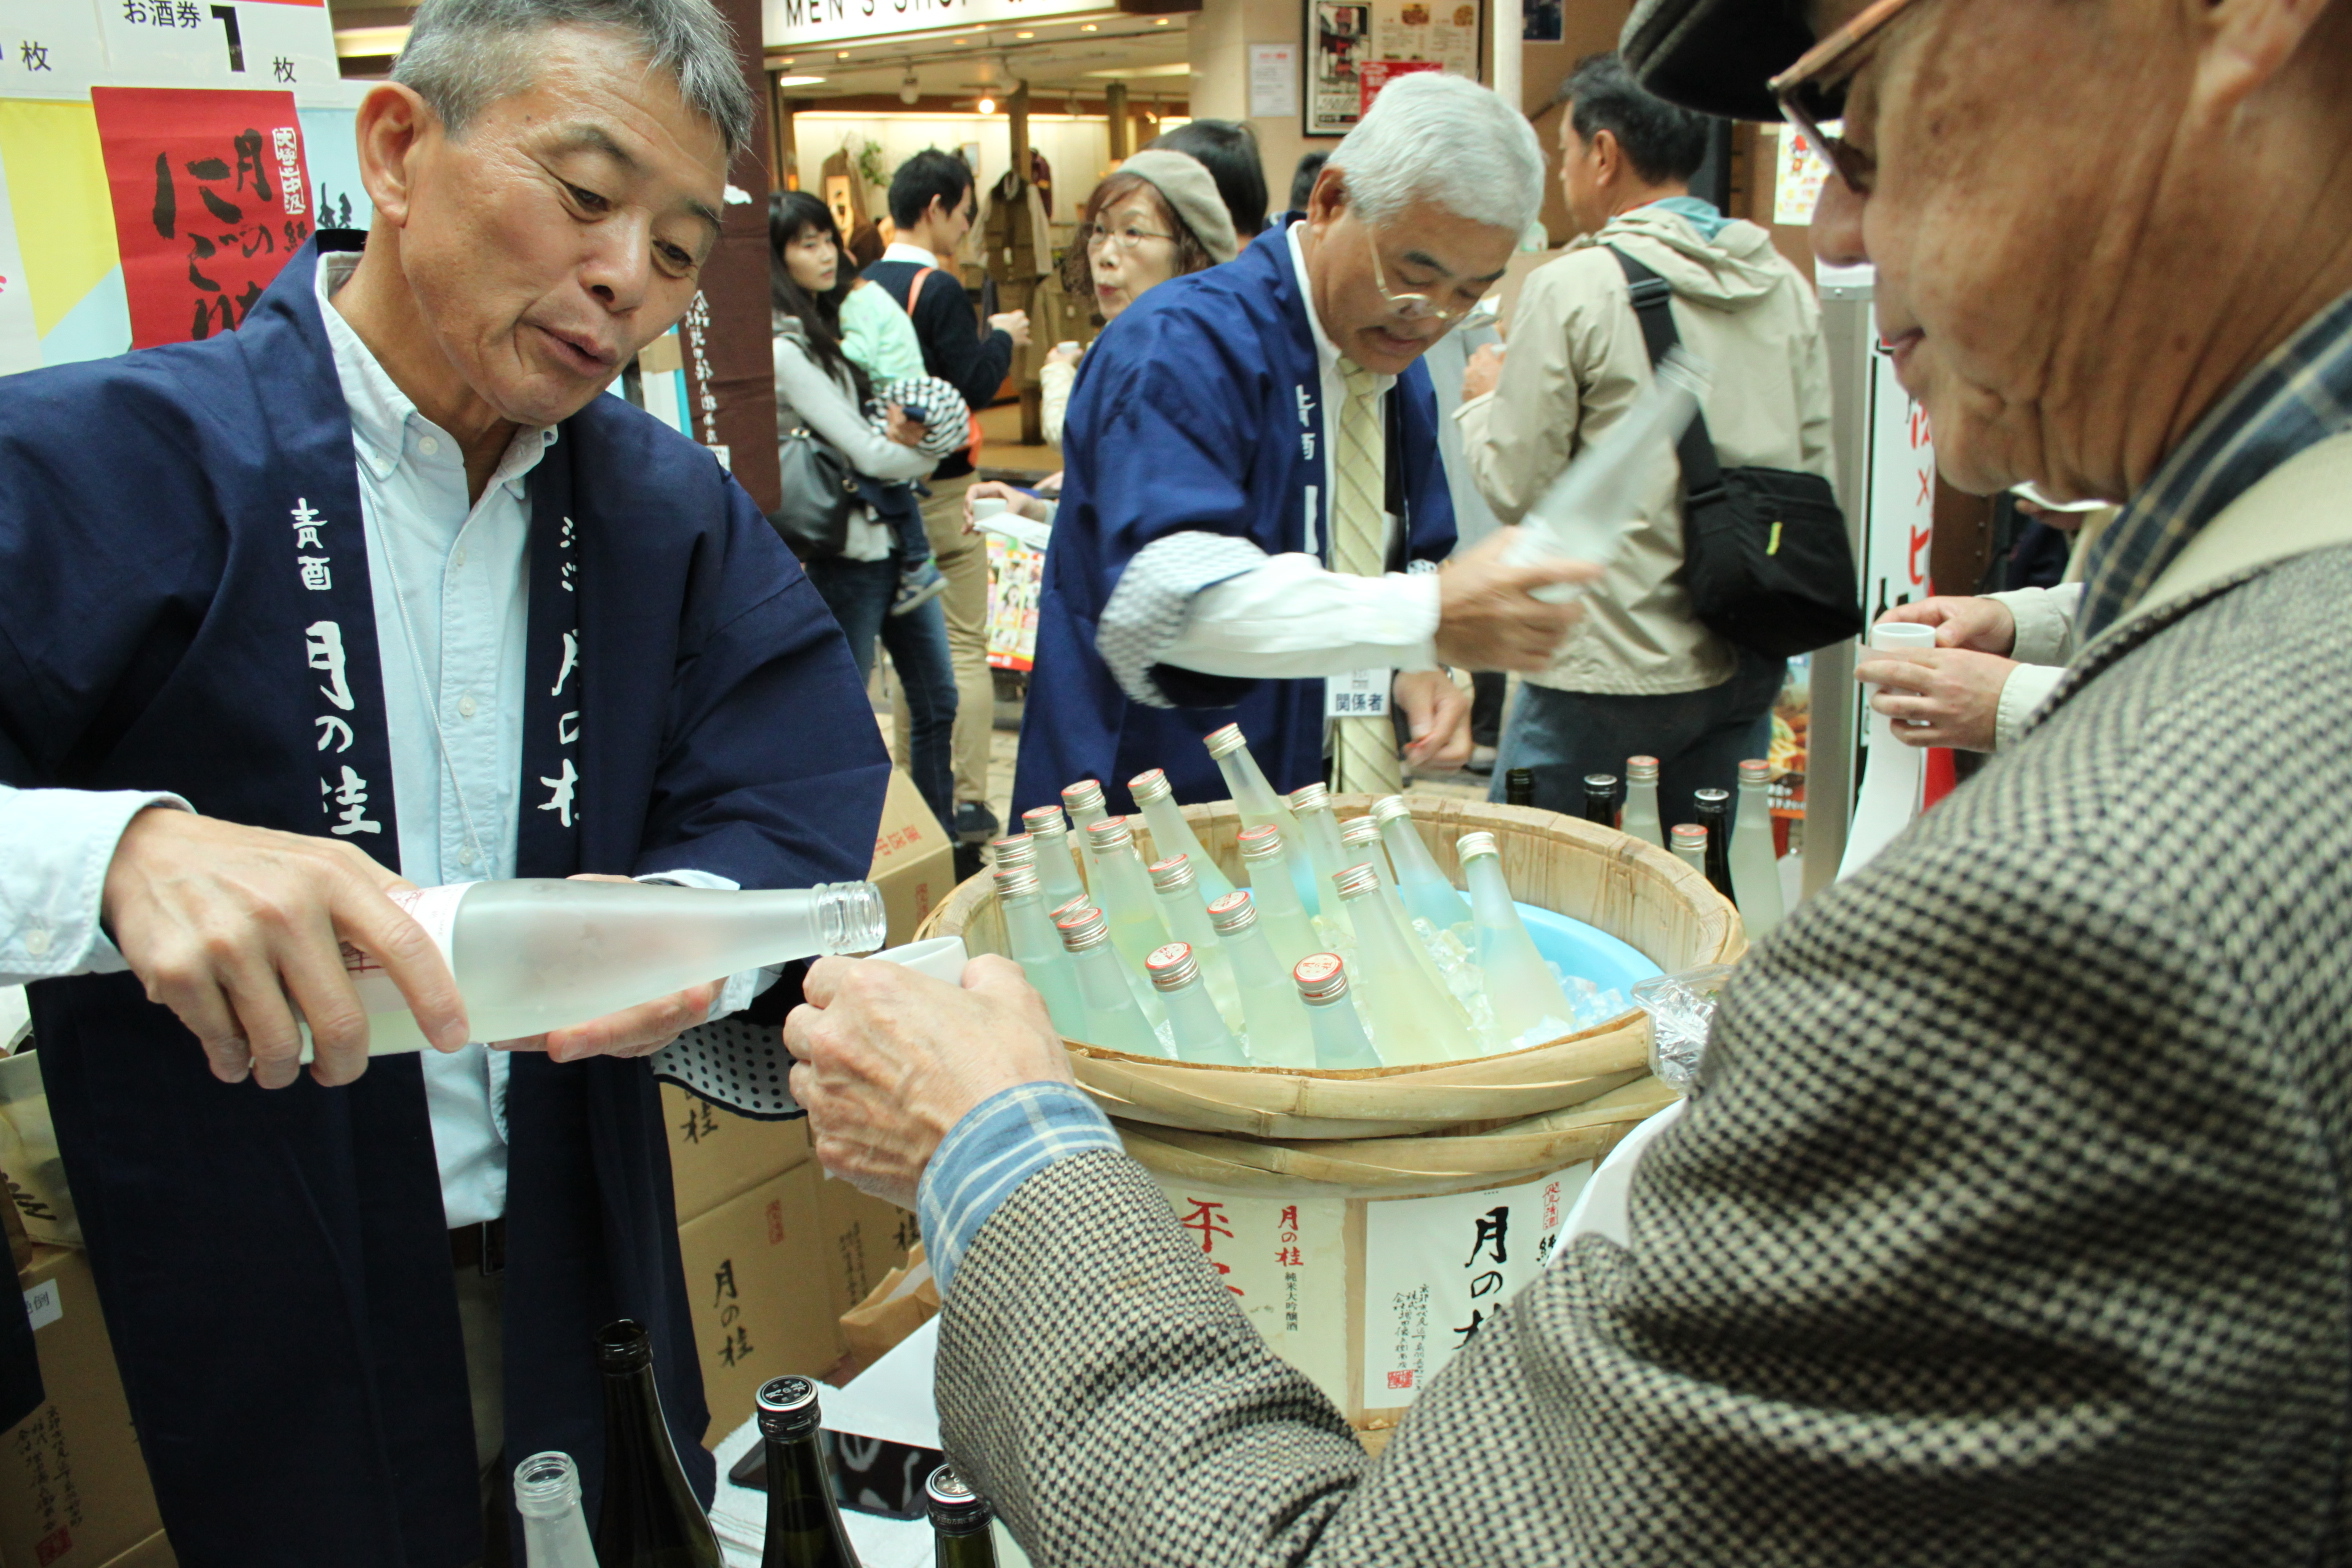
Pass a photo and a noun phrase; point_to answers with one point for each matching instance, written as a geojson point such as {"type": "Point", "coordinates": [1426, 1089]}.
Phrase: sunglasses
{"type": "Point", "coordinates": [1812, 92]}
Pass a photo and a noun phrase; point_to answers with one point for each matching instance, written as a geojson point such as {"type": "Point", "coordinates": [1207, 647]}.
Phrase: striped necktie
{"type": "Point", "coordinates": [1364, 753]}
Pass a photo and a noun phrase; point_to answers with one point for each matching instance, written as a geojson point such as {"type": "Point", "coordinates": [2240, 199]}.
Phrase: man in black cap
{"type": "Point", "coordinates": [2010, 1225]}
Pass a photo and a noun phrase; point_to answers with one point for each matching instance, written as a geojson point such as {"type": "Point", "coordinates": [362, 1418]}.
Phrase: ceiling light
{"type": "Point", "coordinates": [910, 88]}
{"type": "Point", "coordinates": [1160, 22]}
{"type": "Point", "coordinates": [987, 106]}
{"type": "Point", "coordinates": [798, 81]}
{"type": "Point", "coordinates": [959, 42]}
{"type": "Point", "coordinates": [841, 54]}
{"type": "Point", "coordinates": [1086, 27]}
{"type": "Point", "coordinates": [1130, 72]}
{"type": "Point", "coordinates": [1024, 35]}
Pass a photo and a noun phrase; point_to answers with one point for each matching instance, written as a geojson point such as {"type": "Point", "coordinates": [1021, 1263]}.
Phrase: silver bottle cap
{"type": "Point", "coordinates": [1017, 849]}
{"type": "Point", "coordinates": [1356, 881]}
{"type": "Point", "coordinates": [1223, 743]}
{"type": "Point", "coordinates": [1359, 830]}
{"type": "Point", "coordinates": [1016, 881]}
{"type": "Point", "coordinates": [1311, 797]}
{"type": "Point", "coordinates": [1471, 846]}
{"type": "Point", "coordinates": [1756, 771]}
{"type": "Point", "coordinates": [1711, 799]}
{"type": "Point", "coordinates": [1172, 875]}
{"type": "Point", "coordinates": [1150, 785]}
{"type": "Point", "coordinates": [946, 1486]}
{"type": "Point", "coordinates": [1388, 808]}
{"type": "Point", "coordinates": [1641, 770]}
{"type": "Point", "coordinates": [1045, 822]}
{"type": "Point", "coordinates": [1321, 978]}
{"type": "Point", "coordinates": [1085, 795]}
{"type": "Point", "coordinates": [1109, 833]}
{"type": "Point", "coordinates": [787, 1407]}
{"type": "Point", "coordinates": [1084, 929]}
{"type": "Point", "coordinates": [1263, 842]}
{"type": "Point", "coordinates": [1068, 907]}
{"type": "Point", "coordinates": [1689, 835]}
{"type": "Point", "coordinates": [1173, 967]}
{"type": "Point", "coordinates": [1234, 912]}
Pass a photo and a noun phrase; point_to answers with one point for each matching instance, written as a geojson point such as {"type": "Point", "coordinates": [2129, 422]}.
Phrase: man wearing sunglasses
{"type": "Point", "coordinates": [1253, 504]}
{"type": "Point", "coordinates": [2009, 1225]}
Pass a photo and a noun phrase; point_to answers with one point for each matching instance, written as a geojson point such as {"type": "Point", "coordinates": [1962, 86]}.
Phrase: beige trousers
{"type": "Point", "coordinates": [963, 560]}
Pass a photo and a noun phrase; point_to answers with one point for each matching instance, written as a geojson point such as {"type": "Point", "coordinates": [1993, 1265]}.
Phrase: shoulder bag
{"type": "Point", "coordinates": [819, 489]}
{"type": "Point", "coordinates": [1764, 550]}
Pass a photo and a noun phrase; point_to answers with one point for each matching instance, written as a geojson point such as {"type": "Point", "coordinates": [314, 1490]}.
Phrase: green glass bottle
{"type": "Point", "coordinates": [960, 1533]}
{"type": "Point", "coordinates": [649, 1518]}
{"type": "Point", "coordinates": [804, 1522]}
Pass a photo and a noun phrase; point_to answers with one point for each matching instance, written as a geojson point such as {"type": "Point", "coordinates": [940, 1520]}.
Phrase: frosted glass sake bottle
{"type": "Point", "coordinates": [1364, 847]}
{"type": "Point", "coordinates": [1341, 1045]}
{"type": "Point", "coordinates": [1057, 867]}
{"type": "Point", "coordinates": [1420, 884]}
{"type": "Point", "coordinates": [1113, 1020]}
{"type": "Point", "coordinates": [1279, 911]}
{"type": "Point", "coordinates": [1172, 835]}
{"type": "Point", "coordinates": [1037, 948]}
{"type": "Point", "coordinates": [541, 953]}
{"type": "Point", "coordinates": [1755, 868]}
{"type": "Point", "coordinates": [1641, 801]}
{"type": "Point", "coordinates": [555, 1529]}
{"type": "Point", "coordinates": [1318, 829]}
{"type": "Point", "coordinates": [1690, 845]}
{"type": "Point", "coordinates": [1260, 807]}
{"type": "Point", "coordinates": [1520, 986]}
{"type": "Point", "coordinates": [1412, 1020]}
{"type": "Point", "coordinates": [1194, 1024]}
{"type": "Point", "coordinates": [1123, 891]}
{"type": "Point", "coordinates": [1084, 802]}
{"type": "Point", "coordinates": [1187, 920]}
{"type": "Point", "coordinates": [1270, 1010]}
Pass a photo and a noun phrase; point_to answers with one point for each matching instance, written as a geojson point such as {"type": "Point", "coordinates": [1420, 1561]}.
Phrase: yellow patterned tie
{"type": "Point", "coordinates": [1363, 750]}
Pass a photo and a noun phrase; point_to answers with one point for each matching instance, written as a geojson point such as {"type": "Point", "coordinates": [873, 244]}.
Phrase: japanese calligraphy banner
{"type": "Point", "coordinates": [210, 198]}
{"type": "Point", "coordinates": [1285, 1261]}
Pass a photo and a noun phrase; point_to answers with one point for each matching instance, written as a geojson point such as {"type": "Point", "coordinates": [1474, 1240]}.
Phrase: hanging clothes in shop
{"type": "Point", "coordinates": [843, 190]}
{"type": "Point", "coordinates": [1016, 250]}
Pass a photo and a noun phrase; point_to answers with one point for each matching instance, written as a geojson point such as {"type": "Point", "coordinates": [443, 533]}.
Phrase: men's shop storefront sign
{"type": "Point", "coordinates": [795, 24]}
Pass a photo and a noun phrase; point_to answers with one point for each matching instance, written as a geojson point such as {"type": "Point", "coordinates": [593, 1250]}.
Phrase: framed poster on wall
{"type": "Point", "coordinates": [1355, 47]}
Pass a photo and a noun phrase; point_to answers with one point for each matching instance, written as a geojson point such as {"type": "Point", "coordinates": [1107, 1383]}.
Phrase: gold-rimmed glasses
{"type": "Point", "coordinates": [1412, 307]}
{"type": "Point", "coordinates": [1812, 92]}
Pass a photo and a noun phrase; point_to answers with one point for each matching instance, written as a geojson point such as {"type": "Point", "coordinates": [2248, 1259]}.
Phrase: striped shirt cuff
{"type": "Point", "coordinates": [999, 1144]}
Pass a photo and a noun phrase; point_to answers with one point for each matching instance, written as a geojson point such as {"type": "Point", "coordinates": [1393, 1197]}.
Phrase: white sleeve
{"type": "Point", "coordinates": [1223, 607]}
{"type": "Point", "coordinates": [55, 846]}
{"type": "Point", "coordinates": [741, 987]}
{"type": "Point", "coordinates": [2023, 695]}
{"type": "Point", "coordinates": [818, 402]}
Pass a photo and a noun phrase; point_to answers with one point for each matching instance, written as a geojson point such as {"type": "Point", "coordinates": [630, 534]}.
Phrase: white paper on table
{"type": "Point", "coordinates": [1895, 775]}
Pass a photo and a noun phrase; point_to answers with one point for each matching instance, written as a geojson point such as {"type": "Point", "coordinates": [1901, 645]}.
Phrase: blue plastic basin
{"type": "Point", "coordinates": [1587, 950]}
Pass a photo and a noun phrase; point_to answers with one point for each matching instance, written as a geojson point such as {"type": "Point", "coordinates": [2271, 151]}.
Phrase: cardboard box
{"type": "Point", "coordinates": [716, 1154]}
{"type": "Point", "coordinates": [761, 1308]}
{"type": "Point", "coordinates": [154, 1552]}
{"type": "Point", "coordinates": [864, 1239]}
{"type": "Point", "coordinates": [73, 1487]}
{"type": "Point", "coordinates": [914, 861]}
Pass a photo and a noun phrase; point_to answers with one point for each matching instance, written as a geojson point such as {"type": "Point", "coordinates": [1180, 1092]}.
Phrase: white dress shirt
{"type": "Point", "coordinates": [449, 581]}
{"type": "Point", "coordinates": [1289, 617]}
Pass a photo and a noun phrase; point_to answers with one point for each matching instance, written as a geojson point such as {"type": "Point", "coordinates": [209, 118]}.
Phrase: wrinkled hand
{"type": "Point", "coordinates": [1488, 617]}
{"type": "Point", "coordinates": [633, 1031]}
{"type": "Point", "coordinates": [1013, 324]}
{"type": "Point", "coordinates": [1019, 502]}
{"type": "Point", "coordinates": [1938, 696]}
{"type": "Point", "coordinates": [889, 1060]}
{"type": "Point", "coordinates": [904, 430]}
{"type": "Point", "coordinates": [1961, 622]}
{"type": "Point", "coordinates": [1437, 716]}
{"type": "Point", "coordinates": [1484, 372]}
{"type": "Point", "coordinates": [235, 928]}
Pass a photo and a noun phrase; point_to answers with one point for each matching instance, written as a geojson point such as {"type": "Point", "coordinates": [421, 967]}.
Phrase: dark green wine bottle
{"type": "Point", "coordinates": [1713, 809]}
{"type": "Point", "coordinates": [804, 1523]}
{"type": "Point", "coordinates": [649, 1518]}
{"type": "Point", "coordinates": [960, 1536]}
{"type": "Point", "coordinates": [1519, 787]}
{"type": "Point", "coordinates": [1600, 799]}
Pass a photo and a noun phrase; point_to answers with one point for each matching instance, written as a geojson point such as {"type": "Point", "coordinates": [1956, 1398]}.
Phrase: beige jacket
{"type": "Point", "coordinates": [1576, 364]}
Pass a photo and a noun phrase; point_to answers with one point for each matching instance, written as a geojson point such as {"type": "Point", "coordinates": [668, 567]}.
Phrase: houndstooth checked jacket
{"type": "Point", "coordinates": [2010, 1232]}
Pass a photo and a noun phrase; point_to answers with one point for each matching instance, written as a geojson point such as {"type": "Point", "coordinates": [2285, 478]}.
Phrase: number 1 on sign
{"type": "Point", "coordinates": [226, 15]}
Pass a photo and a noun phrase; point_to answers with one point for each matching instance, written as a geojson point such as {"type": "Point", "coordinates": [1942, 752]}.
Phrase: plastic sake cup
{"type": "Point", "coordinates": [942, 958]}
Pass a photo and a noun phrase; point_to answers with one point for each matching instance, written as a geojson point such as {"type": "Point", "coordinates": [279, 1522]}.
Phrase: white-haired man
{"type": "Point", "coordinates": [383, 580]}
{"type": "Point", "coordinates": [1253, 497]}
{"type": "Point", "coordinates": [2008, 1225]}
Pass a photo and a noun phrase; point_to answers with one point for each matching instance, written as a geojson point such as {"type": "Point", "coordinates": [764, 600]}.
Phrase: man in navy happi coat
{"type": "Point", "coordinates": [1252, 498]}
{"type": "Point", "coordinates": [382, 589]}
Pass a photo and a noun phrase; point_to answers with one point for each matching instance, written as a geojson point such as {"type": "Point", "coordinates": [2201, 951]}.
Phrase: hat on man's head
{"type": "Point", "coordinates": [1184, 182]}
{"type": "Point", "coordinates": [1715, 55]}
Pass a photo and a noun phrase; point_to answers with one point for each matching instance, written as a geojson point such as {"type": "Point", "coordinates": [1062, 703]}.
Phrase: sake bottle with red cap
{"type": "Point", "coordinates": [1341, 1045]}
{"type": "Point", "coordinates": [1195, 1025]}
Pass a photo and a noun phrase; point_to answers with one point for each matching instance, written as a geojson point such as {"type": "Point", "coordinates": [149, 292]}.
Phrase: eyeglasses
{"type": "Point", "coordinates": [1413, 307]}
{"type": "Point", "coordinates": [1812, 92]}
{"type": "Point", "coordinates": [1128, 238]}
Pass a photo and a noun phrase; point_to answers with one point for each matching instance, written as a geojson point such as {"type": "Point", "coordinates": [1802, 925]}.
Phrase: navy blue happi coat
{"type": "Point", "coordinates": [1200, 409]}
{"type": "Point", "coordinates": [181, 557]}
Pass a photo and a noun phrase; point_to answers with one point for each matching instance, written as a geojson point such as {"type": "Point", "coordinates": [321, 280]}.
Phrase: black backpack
{"type": "Point", "coordinates": [1764, 550]}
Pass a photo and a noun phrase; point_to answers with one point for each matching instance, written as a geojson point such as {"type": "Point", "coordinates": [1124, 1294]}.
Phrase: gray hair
{"type": "Point", "coordinates": [1443, 138]}
{"type": "Point", "coordinates": [465, 54]}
